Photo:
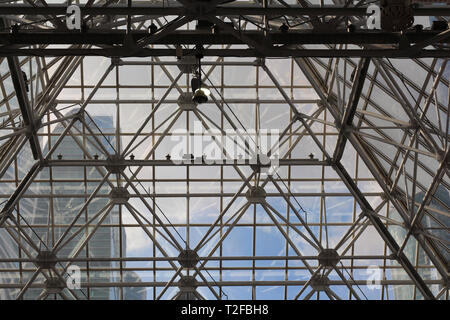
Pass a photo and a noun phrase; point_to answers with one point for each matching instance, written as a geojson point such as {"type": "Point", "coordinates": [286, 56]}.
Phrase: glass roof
{"type": "Point", "coordinates": [129, 174]}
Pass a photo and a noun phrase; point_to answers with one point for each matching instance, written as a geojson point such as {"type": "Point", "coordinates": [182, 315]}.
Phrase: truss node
{"type": "Point", "coordinates": [6, 212]}
{"type": "Point", "coordinates": [115, 164]}
{"type": "Point", "coordinates": [46, 259]}
{"type": "Point", "coordinates": [79, 115]}
{"type": "Point", "coordinates": [259, 62]}
{"type": "Point", "coordinates": [119, 195]}
{"type": "Point", "coordinates": [54, 285]}
{"type": "Point", "coordinates": [185, 102]}
{"type": "Point", "coordinates": [187, 286]}
{"type": "Point", "coordinates": [415, 230]}
{"type": "Point", "coordinates": [116, 61]}
{"type": "Point", "coordinates": [35, 125]}
{"type": "Point", "coordinates": [299, 116]}
{"type": "Point", "coordinates": [414, 124]}
{"type": "Point", "coordinates": [257, 165]}
{"type": "Point", "coordinates": [333, 164]}
{"type": "Point", "coordinates": [256, 195]}
{"type": "Point", "coordinates": [319, 282]}
{"type": "Point", "coordinates": [368, 213]}
{"type": "Point", "coordinates": [188, 258]}
{"type": "Point", "coordinates": [395, 194]}
{"type": "Point", "coordinates": [362, 215]}
{"type": "Point", "coordinates": [328, 257]}
{"type": "Point", "coordinates": [441, 156]}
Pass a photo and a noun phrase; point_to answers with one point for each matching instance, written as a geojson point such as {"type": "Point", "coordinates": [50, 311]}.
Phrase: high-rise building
{"type": "Point", "coordinates": [441, 198]}
{"type": "Point", "coordinates": [105, 242]}
{"type": "Point", "coordinates": [132, 292]}
{"type": "Point", "coordinates": [7, 251]}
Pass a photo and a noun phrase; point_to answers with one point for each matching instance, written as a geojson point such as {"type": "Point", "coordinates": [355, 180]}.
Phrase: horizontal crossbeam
{"type": "Point", "coordinates": [276, 52]}
{"type": "Point", "coordinates": [230, 10]}
{"type": "Point", "coordinates": [116, 37]}
{"type": "Point", "coordinates": [162, 163]}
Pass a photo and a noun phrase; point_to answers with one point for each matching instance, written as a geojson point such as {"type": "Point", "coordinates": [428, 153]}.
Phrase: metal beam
{"type": "Point", "coordinates": [353, 101]}
{"type": "Point", "coordinates": [383, 232]}
{"type": "Point", "coordinates": [228, 10]}
{"type": "Point", "coordinates": [375, 168]}
{"type": "Point", "coordinates": [222, 283]}
{"type": "Point", "coordinates": [428, 196]}
{"type": "Point", "coordinates": [211, 258]}
{"type": "Point", "coordinates": [169, 163]}
{"type": "Point", "coordinates": [21, 188]}
{"type": "Point", "coordinates": [193, 37]}
{"type": "Point", "coordinates": [362, 201]}
{"type": "Point", "coordinates": [24, 105]}
{"type": "Point", "coordinates": [124, 51]}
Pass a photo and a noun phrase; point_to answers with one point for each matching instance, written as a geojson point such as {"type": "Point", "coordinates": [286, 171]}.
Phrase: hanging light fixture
{"type": "Point", "coordinates": [201, 92]}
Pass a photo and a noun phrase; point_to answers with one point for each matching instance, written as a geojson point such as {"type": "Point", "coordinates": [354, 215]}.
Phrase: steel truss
{"type": "Point", "coordinates": [363, 154]}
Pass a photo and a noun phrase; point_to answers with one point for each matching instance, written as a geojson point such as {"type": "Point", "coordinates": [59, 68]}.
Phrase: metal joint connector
{"type": "Point", "coordinates": [116, 61]}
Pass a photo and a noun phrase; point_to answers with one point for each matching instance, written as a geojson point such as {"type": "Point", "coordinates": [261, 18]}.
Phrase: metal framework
{"type": "Point", "coordinates": [358, 207]}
